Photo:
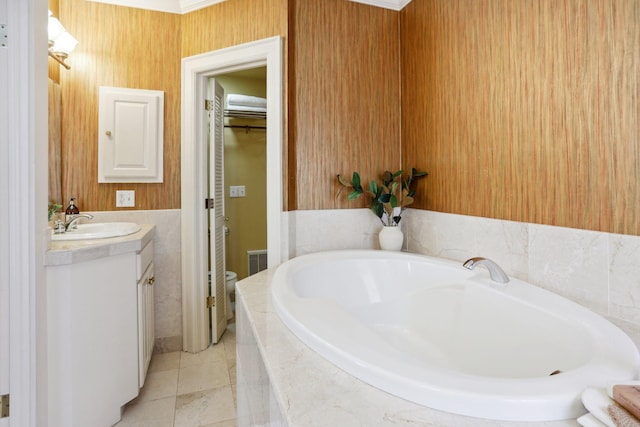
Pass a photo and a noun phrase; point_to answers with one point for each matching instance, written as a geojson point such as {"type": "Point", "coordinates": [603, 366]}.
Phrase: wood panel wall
{"type": "Point", "coordinates": [232, 22]}
{"type": "Point", "coordinates": [344, 93]}
{"type": "Point", "coordinates": [522, 110]}
{"type": "Point", "coordinates": [54, 67]}
{"type": "Point", "coordinates": [525, 110]}
{"type": "Point", "coordinates": [55, 134]}
{"type": "Point", "coordinates": [123, 47]}
{"type": "Point", "coordinates": [235, 22]}
{"type": "Point", "coordinates": [136, 48]}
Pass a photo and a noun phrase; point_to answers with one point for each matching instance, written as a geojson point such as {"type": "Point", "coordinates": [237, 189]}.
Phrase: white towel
{"type": "Point", "coordinates": [596, 401]}
{"type": "Point", "coordinates": [237, 100]}
{"type": "Point", "coordinates": [245, 108]}
{"type": "Point", "coordinates": [589, 421]}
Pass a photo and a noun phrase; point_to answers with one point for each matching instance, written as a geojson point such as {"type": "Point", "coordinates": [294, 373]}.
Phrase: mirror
{"type": "Point", "coordinates": [55, 141]}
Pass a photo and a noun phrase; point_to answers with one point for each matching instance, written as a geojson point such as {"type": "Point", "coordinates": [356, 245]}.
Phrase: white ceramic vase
{"type": "Point", "coordinates": [391, 238]}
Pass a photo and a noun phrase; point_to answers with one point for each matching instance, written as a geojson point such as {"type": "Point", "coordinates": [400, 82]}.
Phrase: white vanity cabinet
{"type": "Point", "coordinates": [99, 295]}
{"type": "Point", "coordinates": [146, 316]}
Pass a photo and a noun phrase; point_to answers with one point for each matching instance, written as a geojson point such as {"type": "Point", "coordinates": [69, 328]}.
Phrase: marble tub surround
{"type": "Point", "coordinates": [430, 331]}
{"type": "Point", "coordinates": [167, 265]}
{"type": "Point", "coordinates": [600, 271]}
{"type": "Point", "coordinates": [340, 229]}
{"type": "Point", "coordinates": [283, 382]}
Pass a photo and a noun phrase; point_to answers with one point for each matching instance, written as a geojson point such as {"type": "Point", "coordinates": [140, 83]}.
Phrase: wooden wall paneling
{"type": "Point", "coordinates": [231, 23]}
{"type": "Point", "coordinates": [235, 22]}
{"type": "Point", "coordinates": [344, 65]}
{"type": "Point", "coordinates": [525, 111]}
{"type": "Point", "coordinates": [54, 70]}
{"type": "Point", "coordinates": [123, 47]}
{"type": "Point", "coordinates": [620, 48]}
{"type": "Point", "coordinates": [55, 121]}
{"type": "Point", "coordinates": [290, 164]}
{"type": "Point", "coordinates": [136, 48]}
{"type": "Point", "coordinates": [54, 67]}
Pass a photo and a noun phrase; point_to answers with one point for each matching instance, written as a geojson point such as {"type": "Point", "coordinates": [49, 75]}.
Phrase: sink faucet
{"type": "Point", "coordinates": [72, 221]}
{"type": "Point", "coordinates": [495, 272]}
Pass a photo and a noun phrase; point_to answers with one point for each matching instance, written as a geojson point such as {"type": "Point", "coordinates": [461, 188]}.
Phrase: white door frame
{"type": "Point", "coordinates": [23, 167]}
{"type": "Point", "coordinates": [195, 71]}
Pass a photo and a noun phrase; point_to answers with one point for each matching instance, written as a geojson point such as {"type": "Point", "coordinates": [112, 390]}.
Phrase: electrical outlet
{"type": "Point", "coordinates": [125, 199]}
{"type": "Point", "coordinates": [237, 191]}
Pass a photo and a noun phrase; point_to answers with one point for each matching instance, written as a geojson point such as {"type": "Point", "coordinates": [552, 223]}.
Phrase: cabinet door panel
{"type": "Point", "coordinates": [130, 135]}
{"type": "Point", "coordinates": [92, 340]}
{"type": "Point", "coordinates": [146, 322]}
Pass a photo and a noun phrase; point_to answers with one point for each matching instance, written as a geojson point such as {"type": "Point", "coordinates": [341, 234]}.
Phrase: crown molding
{"type": "Point", "coordinates": [169, 6]}
{"type": "Point", "coordinates": [387, 4]}
{"type": "Point", "coordinates": [186, 6]}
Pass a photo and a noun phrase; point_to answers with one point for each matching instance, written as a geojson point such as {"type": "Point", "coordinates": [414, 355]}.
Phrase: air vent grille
{"type": "Point", "coordinates": [257, 261]}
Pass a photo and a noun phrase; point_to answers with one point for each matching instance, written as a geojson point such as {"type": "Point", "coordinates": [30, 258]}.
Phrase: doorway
{"type": "Point", "coordinates": [244, 173]}
{"type": "Point", "coordinates": [245, 169]}
{"type": "Point", "coordinates": [196, 71]}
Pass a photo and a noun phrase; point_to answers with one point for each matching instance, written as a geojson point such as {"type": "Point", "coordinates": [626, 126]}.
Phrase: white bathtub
{"type": "Point", "coordinates": [434, 333]}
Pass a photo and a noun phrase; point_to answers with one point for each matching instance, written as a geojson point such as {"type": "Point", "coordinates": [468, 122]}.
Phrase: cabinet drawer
{"type": "Point", "coordinates": [144, 258]}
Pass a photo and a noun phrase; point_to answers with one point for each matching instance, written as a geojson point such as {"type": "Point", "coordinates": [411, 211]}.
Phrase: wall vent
{"type": "Point", "coordinates": [257, 261]}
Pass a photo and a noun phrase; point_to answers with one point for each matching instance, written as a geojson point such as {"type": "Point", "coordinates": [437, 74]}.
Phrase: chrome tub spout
{"type": "Point", "coordinates": [495, 272]}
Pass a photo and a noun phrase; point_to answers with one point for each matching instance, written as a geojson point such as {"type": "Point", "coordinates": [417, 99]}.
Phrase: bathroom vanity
{"type": "Point", "coordinates": [100, 326]}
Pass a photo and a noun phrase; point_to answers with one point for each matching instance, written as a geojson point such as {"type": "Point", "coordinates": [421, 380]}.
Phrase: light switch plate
{"type": "Point", "coordinates": [125, 198]}
{"type": "Point", "coordinates": [237, 191]}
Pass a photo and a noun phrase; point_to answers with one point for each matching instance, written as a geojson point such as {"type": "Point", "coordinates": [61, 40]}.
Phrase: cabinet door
{"type": "Point", "coordinates": [149, 316]}
{"type": "Point", "coordinates": [146, 322]}
{"type": "Point", "coordinates": [130, 135]}
{"type": "Point", "coordinates": [92, 340]}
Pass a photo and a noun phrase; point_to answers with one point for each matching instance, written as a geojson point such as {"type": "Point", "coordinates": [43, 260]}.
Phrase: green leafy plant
{"type": "Point", "coordinates": [53, 208]}
{"type": "Point", "coordinates": [389, 197]}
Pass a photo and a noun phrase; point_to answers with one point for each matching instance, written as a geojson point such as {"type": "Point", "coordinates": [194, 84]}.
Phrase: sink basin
{"type": "Point", "coordinates": [98, 230]}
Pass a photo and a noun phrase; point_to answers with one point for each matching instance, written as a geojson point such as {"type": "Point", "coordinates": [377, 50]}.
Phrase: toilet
{"type": "Point", "coordinates": [231, 278]}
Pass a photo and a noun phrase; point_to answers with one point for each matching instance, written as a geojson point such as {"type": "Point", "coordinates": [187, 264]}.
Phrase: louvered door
{"type": "Point", "coordinates": [216, 213]}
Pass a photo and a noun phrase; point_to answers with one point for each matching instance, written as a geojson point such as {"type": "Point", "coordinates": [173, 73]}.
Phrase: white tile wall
{"type": "Point", "coordinates": [600, 271]}
{"type": "Point", "coordinates": [323, 230]}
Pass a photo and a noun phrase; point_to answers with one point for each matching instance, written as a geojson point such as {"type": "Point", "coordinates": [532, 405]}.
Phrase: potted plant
{"type": "Point", "coordinates": [389, 198]}
{"type": "Point", "coordinates": [53, 208]}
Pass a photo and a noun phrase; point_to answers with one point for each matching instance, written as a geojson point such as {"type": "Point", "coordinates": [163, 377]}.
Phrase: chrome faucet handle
{"type": "Point", "coordinates": [59, 227]}
{"type": "Point", "coordinates": [73, 222]}
{"type": "Point", "coordinates": [496, 273]}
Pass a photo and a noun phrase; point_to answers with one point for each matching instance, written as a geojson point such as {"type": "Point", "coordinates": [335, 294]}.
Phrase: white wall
{"type": "Point", "coordinates": [4, 219]}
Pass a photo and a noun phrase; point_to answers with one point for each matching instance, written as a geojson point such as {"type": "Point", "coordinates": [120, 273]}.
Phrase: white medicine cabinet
{"type": "Point", "coordinates": [130, 135]}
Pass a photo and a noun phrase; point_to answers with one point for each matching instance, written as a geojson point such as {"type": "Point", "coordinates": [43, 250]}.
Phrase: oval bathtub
{"type": "Point", "coordinates": [432, 332]}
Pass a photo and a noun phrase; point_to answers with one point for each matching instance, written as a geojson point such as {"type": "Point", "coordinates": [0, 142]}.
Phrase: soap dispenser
{"type": "Point", "coordinates": [72, 209]}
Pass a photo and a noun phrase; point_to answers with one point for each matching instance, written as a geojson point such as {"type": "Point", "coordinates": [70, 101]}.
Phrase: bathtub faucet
{"type": "Point", "coordinates": [495, 272]}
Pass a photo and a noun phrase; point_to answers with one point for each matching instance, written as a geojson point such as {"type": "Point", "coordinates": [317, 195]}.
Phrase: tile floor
{"type": "Point", "coordinates": [188, 390]}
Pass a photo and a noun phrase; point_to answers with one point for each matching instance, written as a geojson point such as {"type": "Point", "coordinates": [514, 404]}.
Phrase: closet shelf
{"type": "Point", "coordinates": [245, 114]}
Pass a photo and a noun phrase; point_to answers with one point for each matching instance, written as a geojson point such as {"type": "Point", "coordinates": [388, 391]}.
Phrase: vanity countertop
{"type": "Point", "coordinates": [65, 252]}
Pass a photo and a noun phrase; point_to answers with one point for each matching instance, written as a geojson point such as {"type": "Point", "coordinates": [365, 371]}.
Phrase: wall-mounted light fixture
{"type": "Point", "coordinates": [61, 43]}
